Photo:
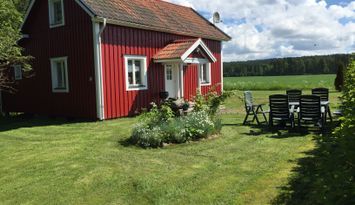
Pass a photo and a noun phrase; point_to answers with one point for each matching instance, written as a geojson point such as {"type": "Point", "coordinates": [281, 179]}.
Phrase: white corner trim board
{"type": "Point", "coordinates": [97, 31]}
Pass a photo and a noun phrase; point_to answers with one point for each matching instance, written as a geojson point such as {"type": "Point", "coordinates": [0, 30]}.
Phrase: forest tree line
{"type": "Point", "coordinates": [326, 64]}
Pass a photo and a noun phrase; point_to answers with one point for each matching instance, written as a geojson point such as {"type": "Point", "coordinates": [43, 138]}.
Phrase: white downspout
{"type": "Point", "coordinates": [97, 31]}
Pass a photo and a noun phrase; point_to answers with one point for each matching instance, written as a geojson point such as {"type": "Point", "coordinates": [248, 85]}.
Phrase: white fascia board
{"type": "Point", "coordinates": [27, 13]}
{"type": "Point", "coordinates": [199, 42]}
{"type": "Point", "coordinates": [196, 61]}
{"type": "Point", "coordinates": [81, 4]}
{"type": "Point", "coordinates": [86, 8]}
{"type": "Point", "coordinates": [177, 60]}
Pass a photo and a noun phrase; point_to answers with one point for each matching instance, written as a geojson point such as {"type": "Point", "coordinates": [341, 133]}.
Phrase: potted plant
{"type": "Point", "coordinates": [185, 106]}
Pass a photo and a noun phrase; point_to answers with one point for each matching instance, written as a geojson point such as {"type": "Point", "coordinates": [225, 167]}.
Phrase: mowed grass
{"type": "Point", "coordinates": [305, 82]}
{"type": "Point", "coordinates": [52, 161]}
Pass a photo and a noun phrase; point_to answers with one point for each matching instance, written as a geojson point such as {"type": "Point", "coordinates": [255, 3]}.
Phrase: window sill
{"type": "Point", "coordinates": [57, 25]}
{"type": "Point", "coordinates": [60, 90]}
{"type": "Point", "coordinates": [205, 84]}
{"type": "Point", "coordinates": [132, 88]}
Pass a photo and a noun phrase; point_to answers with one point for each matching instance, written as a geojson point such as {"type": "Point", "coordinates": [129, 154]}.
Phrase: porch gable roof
{"type": "Point", "coordinates": [180, 50]}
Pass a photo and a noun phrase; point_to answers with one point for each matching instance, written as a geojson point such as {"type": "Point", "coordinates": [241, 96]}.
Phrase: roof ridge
{"type": "Point", "coordinates": [163, 1]}
{"type": "Point", "coordinates": [186, 40]}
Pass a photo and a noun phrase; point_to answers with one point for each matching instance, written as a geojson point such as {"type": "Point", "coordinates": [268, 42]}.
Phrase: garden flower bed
{"type": "Point", "coordinates": [161, 125]}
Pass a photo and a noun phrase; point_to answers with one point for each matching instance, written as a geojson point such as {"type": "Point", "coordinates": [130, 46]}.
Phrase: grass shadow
{"type": "Point", "coordinates": [282, 131]}
{"type": "Point", "coordinates": [324, 176]}
{"type": "Point", "coordinates": [27, 121]}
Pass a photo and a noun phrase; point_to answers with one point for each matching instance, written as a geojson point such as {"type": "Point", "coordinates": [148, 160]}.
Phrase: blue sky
{"type": "Point", "coordinates": [282, 28]}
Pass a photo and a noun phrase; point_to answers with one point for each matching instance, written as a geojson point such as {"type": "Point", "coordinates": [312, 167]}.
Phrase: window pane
{"type": "Point", "coordinates": [64, 75]}
{"type": "Point", "coordinates": [205, 75]}
{"type": "Point", "coordinates": [60, 80]}
{"type": "Point", "coordinates": [130, 72]}
{"type": "Point", "coordinates": [138, 74]}
{"type": "Point", "coordinates": [169, 73]}
{"type": "Point", "coordinates": [18, 72]}
{"type": "Point", "coordinates": [57, 12]}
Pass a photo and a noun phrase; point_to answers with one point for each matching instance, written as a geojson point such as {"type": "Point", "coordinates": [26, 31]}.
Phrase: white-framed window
{"type": "Point", "coordinates": [205, 74]}
{"type": "Point", "coordinates": [56, 13]}
{"type": "Point", "coordinates": [136, 72]}
{"type": "Point", "coordinates": [59, 71]}
{"type": "Point", "coordinates": [169, 72]}
{"type": "Point", "coordinates": [17, 72]}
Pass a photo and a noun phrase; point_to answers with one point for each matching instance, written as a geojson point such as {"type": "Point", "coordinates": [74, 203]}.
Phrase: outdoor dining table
{"type": "Point", "coordinates": [322, 103]}
{"type": "Point", "coordinates": [324, 107]}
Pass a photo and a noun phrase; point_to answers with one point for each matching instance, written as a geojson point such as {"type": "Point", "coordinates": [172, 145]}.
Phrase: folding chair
{"type": "Point", "coordinates": [323, 93]}
{"type": "Point", "coordinates": [310, 110]}
{"type": "Point", "coordinates": [252, 109]}
{"type": "Point", "coordinates": [280, 110]}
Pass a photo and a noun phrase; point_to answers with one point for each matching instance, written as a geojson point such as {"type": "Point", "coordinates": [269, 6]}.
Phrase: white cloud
{"type": "Point", "coordinates": [282, 28]}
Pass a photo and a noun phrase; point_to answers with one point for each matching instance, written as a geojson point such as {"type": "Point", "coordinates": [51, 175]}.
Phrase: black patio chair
{"type": "Point", "coordinates": [280, 110]}
{"type": "Point", "coordinates": [323, 93]}
{"type": "Point", "coordinates": [252, 109]}
{"type": "Point", "coordinates": [294, 95]}
{"type": "Point", "coordinates": [311, 111]}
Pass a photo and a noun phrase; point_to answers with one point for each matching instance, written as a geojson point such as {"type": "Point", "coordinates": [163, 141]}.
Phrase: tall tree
{"type": "Point", "coordinates": [10, 52]}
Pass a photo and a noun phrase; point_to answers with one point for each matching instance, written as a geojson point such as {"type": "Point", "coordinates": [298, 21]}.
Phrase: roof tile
{"type": "Point", "coordinates": [175, 50]}
{"type": "Point", "coordinates": [157, 15]}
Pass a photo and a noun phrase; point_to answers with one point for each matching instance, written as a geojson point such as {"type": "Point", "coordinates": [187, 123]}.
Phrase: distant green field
{"type": "Point", "coordinates": [305, 82]}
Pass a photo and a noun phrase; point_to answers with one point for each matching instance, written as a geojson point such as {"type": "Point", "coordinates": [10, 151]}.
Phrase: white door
{"type": "Point", "coordinates": [172, 80]}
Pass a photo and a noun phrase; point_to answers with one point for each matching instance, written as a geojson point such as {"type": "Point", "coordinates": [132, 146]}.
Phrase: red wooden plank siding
{"type": "Point", "coordinates": [74, 40]}
{"type": "Point", "coordinates": [118, 41]}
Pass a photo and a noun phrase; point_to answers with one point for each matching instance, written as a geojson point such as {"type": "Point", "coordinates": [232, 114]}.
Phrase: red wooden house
{"type": "Point", "coordinates": [103, 59]}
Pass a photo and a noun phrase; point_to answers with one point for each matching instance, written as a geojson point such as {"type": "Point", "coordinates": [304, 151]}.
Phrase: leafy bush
{"type": "Point", "coordinates": [160, 125]}
{"type": "Point", "coordinates": [210, 102]}
{"type": "Point", "coordinates": [348, 102]}
{"type": "Point", "coordinates": [157, 115]}
{"type": "Point", "coordinates": [198, 125]}
{"type": "Point", "coordinates": [146, 136]}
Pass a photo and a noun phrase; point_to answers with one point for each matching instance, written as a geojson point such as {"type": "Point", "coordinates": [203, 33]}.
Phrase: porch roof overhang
{"type": "Point", "coordinates": [180, 51]}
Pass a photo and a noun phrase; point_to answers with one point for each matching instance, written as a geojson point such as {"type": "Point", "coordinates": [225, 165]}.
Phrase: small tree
{"type": "Point", "coordinates": [10, 52]}
{"type": "Point", "coordinates": [339, 80]}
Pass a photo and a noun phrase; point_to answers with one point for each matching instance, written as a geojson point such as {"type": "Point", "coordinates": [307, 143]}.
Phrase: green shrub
{"type": "Point", "coordinates": [160, 125]}
{"type": "Point", "coordinates": [175, 131]}
{"type": "Point", "coordinates": [347, 128]}
{"type": "Point", "coordinates": [198, 125]}
{"type": "Point", "coordinates": [146, 136]}
{"type": "Point", "coordinates": [157, 115]}
{"type": "Point", "coordinates": [210, 102]}
{"type": "Point", "coordinates": [194, 126]}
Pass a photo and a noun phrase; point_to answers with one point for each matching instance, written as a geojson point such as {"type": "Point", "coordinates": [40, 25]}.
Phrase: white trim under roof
{"type": "Point", "coordinates": [198, 43]}
{"type": "Point", "coordinates": [81, 4]}
{"type": "Point", "coordinates": [186, 59]}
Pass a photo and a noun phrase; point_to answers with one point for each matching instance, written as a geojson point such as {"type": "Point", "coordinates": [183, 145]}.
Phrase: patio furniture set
{"type": "Point", "coordinates": [312, 109]}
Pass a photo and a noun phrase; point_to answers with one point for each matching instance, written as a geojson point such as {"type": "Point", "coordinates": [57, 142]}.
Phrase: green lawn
{"type": "Point", "coordinates": [55, 162]}
{"type": "Point", "coordinates": [305, 82]}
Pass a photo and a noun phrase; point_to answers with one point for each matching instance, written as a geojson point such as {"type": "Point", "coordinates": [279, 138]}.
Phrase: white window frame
{"type": "Point", "coordinates": [54, 75]}
{"type": "Point", "coordinates": [144, 85]}
{"type": "Point", "coordinates": [51, 14]}
{"type": "Point", "coordinates": [208, 74]}
{"type": "Point", "coordinates": [17, 72]}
